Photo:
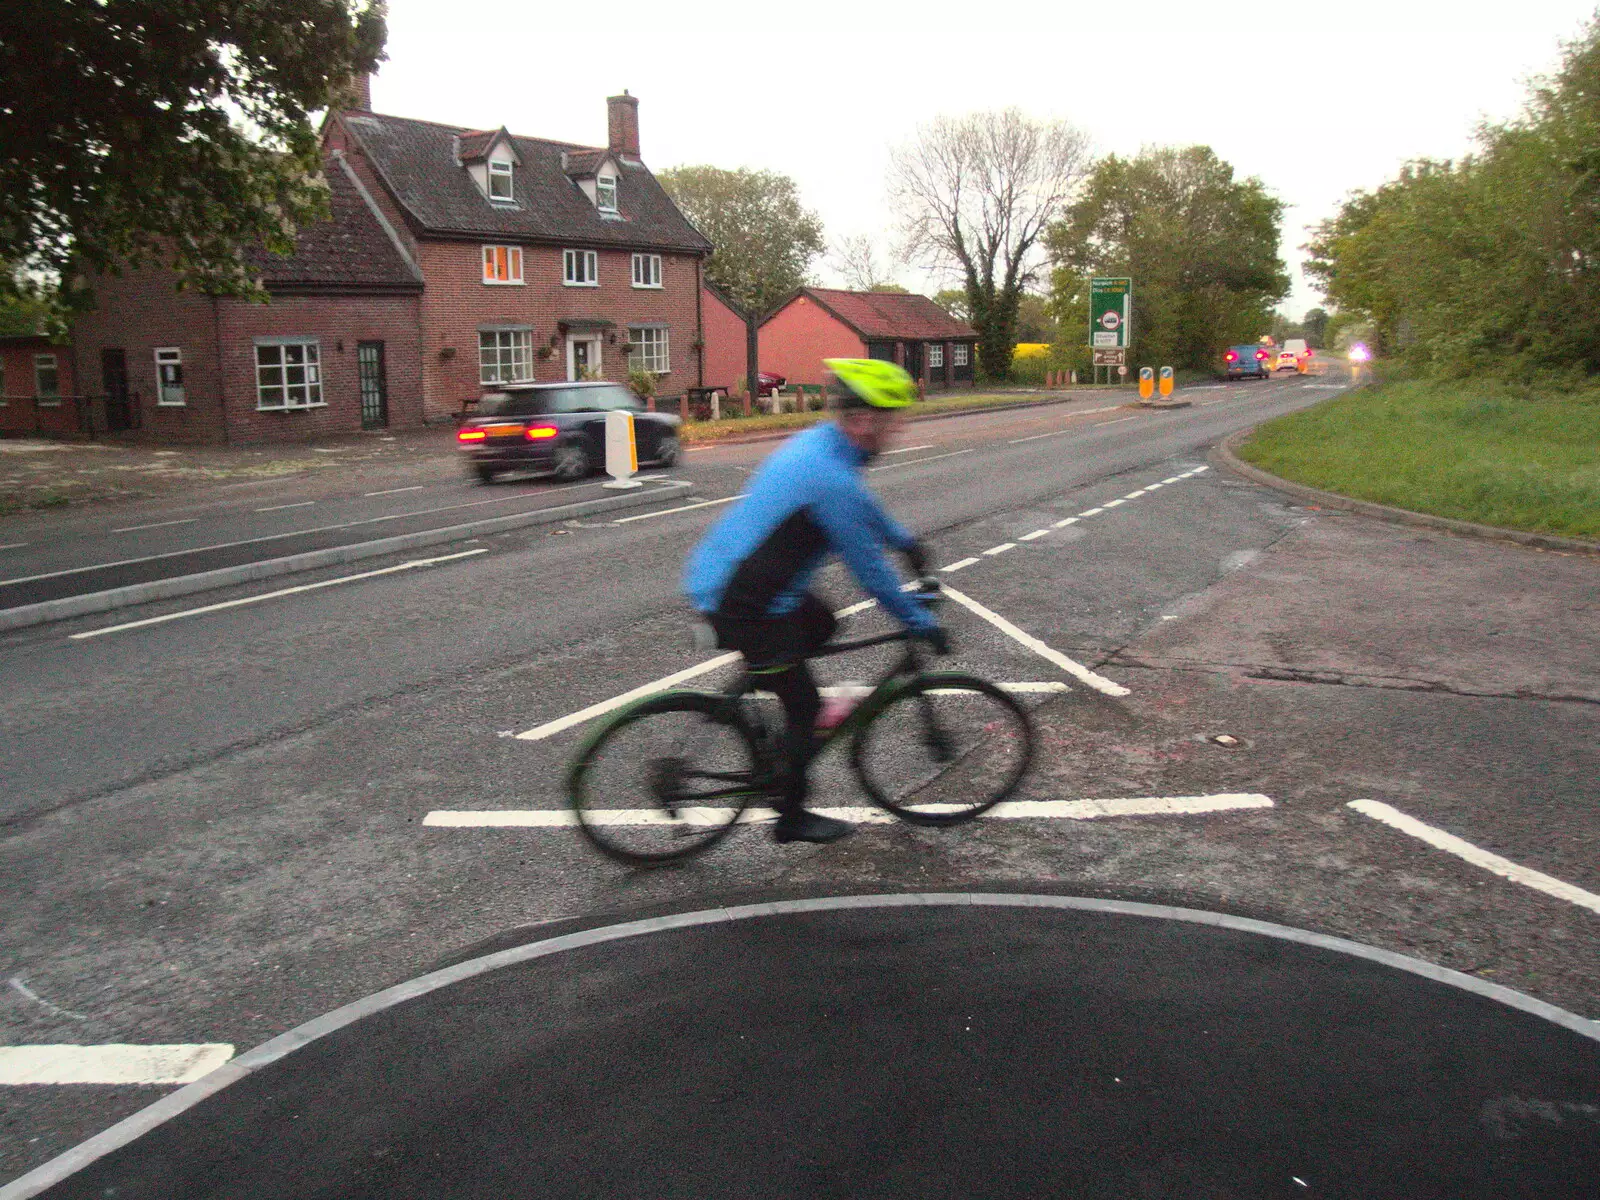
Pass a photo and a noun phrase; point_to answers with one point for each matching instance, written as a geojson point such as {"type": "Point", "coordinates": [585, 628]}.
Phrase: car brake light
{"type": "Point", "coordinates": [536, 433]}
{"type": "Point", "coordinates": [1261, 354]}
{"type": "Point", "coordinates": [471, 435]}
{"type": "Point", "coordinates": [1230, 356]}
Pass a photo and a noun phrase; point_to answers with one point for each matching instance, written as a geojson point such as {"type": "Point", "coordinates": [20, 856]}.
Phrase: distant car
{"type": "Point", "coordinates": [1287, 360]}
{"type": "Point", "coordinates": [1246, 362]}
{"type": "Point", "coordinates": [559, 427]}
{"type": "Point", "coordinates": [767, 382]}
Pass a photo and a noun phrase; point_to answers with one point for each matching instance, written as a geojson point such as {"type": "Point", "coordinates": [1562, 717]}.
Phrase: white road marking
{"type": "Point", "coordinates": [416, 487]}
{"type": "Point", "coordinates": [30, 1065]}
{"type": "Point", "coordinates": [280, 507]}
{"type": "Point", "coordinates": [851, 691]}
{"type": "Point", "coordinates": [907, 449]}
{"type": "Point", "coordinates": [1065, 521]}
{"type": "Point", "coordinates": [956, 566]}
{"type": "Point", "coordinates": [913, 461]}
{"type": "Point", "coordinates": [1091, 512]}
{"type": "Point", "coordinates": [13, 546]}
{"type": "Point", "coordinates": [1118, 421]}
{"type": "Point", "coordinates": [1035, 437]}
{"type": "Point", "coordinates": [1014, 810]}
{"type": "Point", "coordinates": [667, 512]}
{"type": "Point", "coordinates": [1199, 470]}
{"type": "Point", "coordinates": [1151, 487]}
{"type": "Point", "coordinates": [1001, 548]}
{"type": "Point", "coordinates": [1113, 503]}
{"type": "Point", "coordinates": [1134, 495]}
{"type": "Point", "coordinates": [1172, 479]}
{"type": "Point", "coordinates": [1076, 669]}
{"type": "Point", "coordinates": [135, 529]}
{"type": "Point", "coordinates": [1089, 412]}
{"type": "Point", "coordinates": [1504, 867]}
{"type": "Point", "coordinates": [551, 728]}
{"type": "Point", "coordinates": [289, 591]}
{"type": "Point", "coordinates": [1037, 533]}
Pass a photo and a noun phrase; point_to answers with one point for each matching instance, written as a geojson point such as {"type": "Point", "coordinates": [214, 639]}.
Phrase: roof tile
{"type": "Point", "coordinates": [351, 249]}
{"type": "Point", "coordinates": [891, 315]}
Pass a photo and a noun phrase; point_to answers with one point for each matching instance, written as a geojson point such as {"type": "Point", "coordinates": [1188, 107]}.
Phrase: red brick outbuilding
{"type": "Point", "coordinates": [911, 330]}
{"type": "Point", "coordinates": [37, 395]}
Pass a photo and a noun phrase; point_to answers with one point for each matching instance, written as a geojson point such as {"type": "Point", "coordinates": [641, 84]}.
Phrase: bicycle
{"type": "Point", "coordinates": [933, 748]}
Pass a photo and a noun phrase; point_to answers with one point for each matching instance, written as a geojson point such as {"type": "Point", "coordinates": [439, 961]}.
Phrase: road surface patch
{"type": "Point", "coordinates": [1478, 857]}
{"type": "Point", "coordinates": [1049, 653]}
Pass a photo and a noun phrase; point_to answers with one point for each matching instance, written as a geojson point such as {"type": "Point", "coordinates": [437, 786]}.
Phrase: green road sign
{"type": "Point", "coordinates": [1110, 312]}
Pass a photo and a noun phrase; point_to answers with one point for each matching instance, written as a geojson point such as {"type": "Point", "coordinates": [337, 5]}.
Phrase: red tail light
{"type": "Point", "coordinates": [535, 433]}
{"type": "Point", "coordinates": [471, 435]}
{"type": "Point", "coordinates": [1230, 356]}
{"type": "Point", "coordinates": [1261, 354]}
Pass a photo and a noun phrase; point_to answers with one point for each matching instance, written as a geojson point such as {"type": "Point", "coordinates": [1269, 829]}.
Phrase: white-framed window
{"type": "Point", "coordinates": [580, 268]}
{"type": "Point", "coordinates": [502, 264]}
{"type": "Point", "coordinates": [505, 355]}
{"type": "Point", "coordinates": [651, 351]}
{"type": "Point", "coordinates": [169, 376]}
{"type": "Point", "coordinates": [288, 374]}
{"type": "Point", "coordinates": [46, 380]}
{"type": "Point", "coordinates": [647, 270]}
{"type": "Point", "coordinates": [500, 180]}
{"type": "Point", "coordinates": [605, 193]}
{"type": "Point", "coordinates": [936, 355]}
{"type": "Point", "coordinates": [959, 353]}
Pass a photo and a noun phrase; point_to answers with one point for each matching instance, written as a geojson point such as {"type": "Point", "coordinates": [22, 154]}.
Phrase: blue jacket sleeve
{"type": "Point", "coordinates": [857, 527]}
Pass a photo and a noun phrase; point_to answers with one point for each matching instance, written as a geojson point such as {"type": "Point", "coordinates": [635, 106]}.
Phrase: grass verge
{"type": "Point", "coordinates": [1474, 450]}
{"type": "Point", "coordinates": [701, 432]}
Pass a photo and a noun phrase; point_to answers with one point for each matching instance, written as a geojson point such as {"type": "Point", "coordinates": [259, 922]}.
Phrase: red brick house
{"type": "Point", "coordinates": [456, 260]}
{"type": "Point", "coordinates": [913, 331]}
{"type": "Point", "coordinates": [36, 387]}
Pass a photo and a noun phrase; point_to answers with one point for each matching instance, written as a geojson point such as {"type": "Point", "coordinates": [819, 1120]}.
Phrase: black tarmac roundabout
{"type": "Point", "coordinates": [942, 1045]}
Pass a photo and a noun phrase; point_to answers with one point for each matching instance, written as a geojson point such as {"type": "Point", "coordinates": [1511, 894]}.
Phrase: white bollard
{"type": "Point", "coordinates": [716, 406]}
{"type": "Point", "coordinates": [622, 451]}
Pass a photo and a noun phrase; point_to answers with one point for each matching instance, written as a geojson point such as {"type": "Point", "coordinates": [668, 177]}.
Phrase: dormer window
{"type": "Point", "coordinates": [500, 181]}
{"type": "Point", "coordinates": [605, 193]}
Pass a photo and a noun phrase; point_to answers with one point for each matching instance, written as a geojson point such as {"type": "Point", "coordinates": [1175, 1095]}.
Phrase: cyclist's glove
{"type": "Point", "coordinates": [917, 558]}
{"type": "Point", "coordinates": [938, 641]}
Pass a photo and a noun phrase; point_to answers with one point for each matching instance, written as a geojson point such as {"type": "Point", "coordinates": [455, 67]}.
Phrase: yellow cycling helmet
{"type": "Point", "coordinates": [871, 382]}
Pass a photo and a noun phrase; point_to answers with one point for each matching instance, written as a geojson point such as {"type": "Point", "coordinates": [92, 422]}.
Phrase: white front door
{"type": "Point", "coordinates": [583, 356]}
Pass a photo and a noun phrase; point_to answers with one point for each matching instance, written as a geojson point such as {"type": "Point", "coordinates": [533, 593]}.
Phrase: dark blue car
{"type": "Point", "coordinates": [559, 427]}
{"type": "Point", "coordinates": [1247, 362]}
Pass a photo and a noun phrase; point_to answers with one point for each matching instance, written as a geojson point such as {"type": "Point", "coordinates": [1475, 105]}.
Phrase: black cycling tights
{"type": "Point", "coordinates": [775, 650]}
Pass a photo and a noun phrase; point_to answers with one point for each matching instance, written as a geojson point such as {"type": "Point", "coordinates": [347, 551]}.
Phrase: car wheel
{"type": "Point", "coordinates": [668, 452]}
{"type": "Point", "coordinates": [571, 463]}
{"type": "Point", "coordinates": [485, 474]}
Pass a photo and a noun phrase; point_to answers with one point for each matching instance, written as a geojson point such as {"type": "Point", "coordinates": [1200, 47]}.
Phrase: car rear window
{"type": "Point", "coordinates": [510, 404]}
{"type": "Point", "coordinates": [591, 399]}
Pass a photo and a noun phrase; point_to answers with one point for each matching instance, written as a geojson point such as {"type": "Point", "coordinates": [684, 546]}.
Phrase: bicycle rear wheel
{"type": "Point", "coordinates": [666, 779]}
{"type": "Point", "coordinates": [944, 750]}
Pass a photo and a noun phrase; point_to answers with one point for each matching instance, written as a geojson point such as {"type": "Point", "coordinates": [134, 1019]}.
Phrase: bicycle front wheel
{"type": "Point", "coordinates": [944, 750]}
{"type": "Point", "coordinates": [666, 779]}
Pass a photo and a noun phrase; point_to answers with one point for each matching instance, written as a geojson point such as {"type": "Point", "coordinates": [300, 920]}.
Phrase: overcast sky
{"type": "Point", "coordinates": [822, 90]}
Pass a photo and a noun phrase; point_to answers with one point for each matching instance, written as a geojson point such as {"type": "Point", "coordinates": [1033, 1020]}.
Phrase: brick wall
{"type": "Point", "coordinates": [799, 336]}
{"type": "Point", "coordinates": [727, 356]}
{"type": "Point", "coordinates": [456, 302]}
{"type": "Point", "coordinates": [338, 323]}
{"type": "Point", "coordinates": [19, 412]}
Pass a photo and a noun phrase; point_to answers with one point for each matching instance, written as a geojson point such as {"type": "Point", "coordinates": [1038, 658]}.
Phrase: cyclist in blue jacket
{"type": "Point", "coordinates": [751, 574]}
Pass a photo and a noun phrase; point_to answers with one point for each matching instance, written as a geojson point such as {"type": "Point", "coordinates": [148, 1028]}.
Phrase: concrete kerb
{"type": "Point", "coordinates": [1223, 455]}
{"type": "Point", "coordinates": [131, 1128]}
{"type": "Point", "coordinates": [66, 607]}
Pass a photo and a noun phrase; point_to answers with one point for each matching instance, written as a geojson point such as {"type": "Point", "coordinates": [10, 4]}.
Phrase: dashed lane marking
{"type": "Point", "coordinates": [1114, 503]}
{"type": "Point", "coordinates": [910, 462]}
{"type": "Point", "coordinates": [1049, 653]}
{"type": "Point", "coordinates": [1037, 533]}
{"type": "Point", "coordinates": [281, 507]}
{"type": "Point", "coordinates": [1478, 857]}
{"type": "Point", "coordinates": [13, 546]}
{"type": "Point", "coordinates": [1134, 495]}
{"type": "Point", "coordinates": [1065, 521]}
{"type": "Point", "coordinates": [289, 591]}
{"type": "Point", "coordinates": [907, 449]}
{"type": "Point", "coordinates": [152, 525]}
{"type": "Point", "coordinates": [1172, 479]}
{"type": "Point", "coordinates": [1118, 421]}
{"type": "Point", "coordinates": [1091, 512]}
{"type": "Point", "coordinates": [1014, 810]}
{"type": "Point", "coordinates": [416, 487]}
{"type": "Point", "coordinates": [1001, 548]}
{"type": "Point", "coordinates": [958, 565]}
{"type": "Point", "coordinates": [22, 1066]}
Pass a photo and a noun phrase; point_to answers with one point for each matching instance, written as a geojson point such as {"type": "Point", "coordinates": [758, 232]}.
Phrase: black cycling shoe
{"type": "Point", "coordinates": [806, 826]}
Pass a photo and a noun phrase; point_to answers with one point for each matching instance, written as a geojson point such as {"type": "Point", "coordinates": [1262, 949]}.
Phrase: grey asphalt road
{"type": "Point", "coordinates": [213, 826]}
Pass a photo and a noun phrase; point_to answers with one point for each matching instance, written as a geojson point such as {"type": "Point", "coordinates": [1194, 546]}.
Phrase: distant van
{"type": "Point", "coordinates": [1297, 347]}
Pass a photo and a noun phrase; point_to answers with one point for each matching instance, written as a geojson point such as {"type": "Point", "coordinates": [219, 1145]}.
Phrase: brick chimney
{"type": "Point", "coordinates": [622, 122]}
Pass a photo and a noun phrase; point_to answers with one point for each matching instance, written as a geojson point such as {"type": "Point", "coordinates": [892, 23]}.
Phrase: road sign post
{"type": "Point", "coordinates": [1111, 319]}
{"type": "Point", "coordinates": [622, 451]}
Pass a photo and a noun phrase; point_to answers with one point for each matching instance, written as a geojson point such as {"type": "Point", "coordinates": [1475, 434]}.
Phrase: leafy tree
{"type": "Point", "coordinates": [954, 302]}
{"type": "Point", "coordinates": [1492, 263]}
{"type": "Point", "coordinates": [153, 130]}
{"type": "Point", "coordinates": [1035, 321]}
{"type": "Point", "coordinates": [1315, 325]}
{"type": "Point", "coordinates": [765, 238]}
{"type": "Point", "coordinates": [977, 192]}
{"type": "Point", "coordinates": [863, 266]}
{"type": "Point", "coordinates": [1200, 246]}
